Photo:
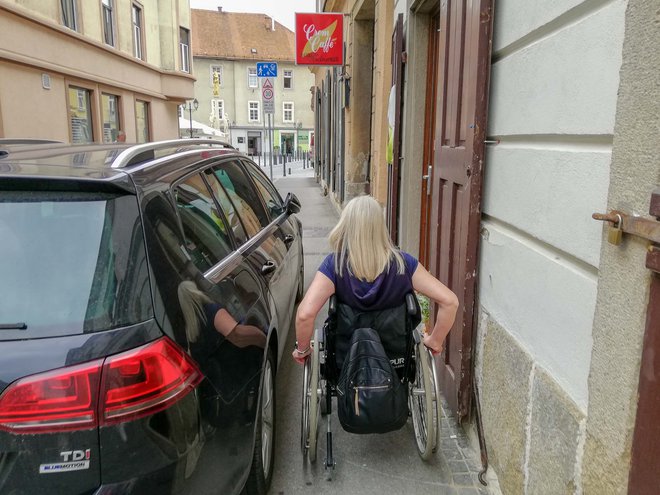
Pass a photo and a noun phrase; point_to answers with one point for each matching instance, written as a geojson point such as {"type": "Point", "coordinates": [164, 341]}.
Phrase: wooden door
{"type": "Point", "coordinates": [461, 118]}
{"type": "Point", "coordinates": [644, 472]}
{"type": "Point", "coordinates": [429, 135]}
{"type": "Point", "coordinates": [394, 169]}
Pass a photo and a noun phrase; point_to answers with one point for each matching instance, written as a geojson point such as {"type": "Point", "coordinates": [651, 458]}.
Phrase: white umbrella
{"type": "Point", "coordinates": [184, 125]}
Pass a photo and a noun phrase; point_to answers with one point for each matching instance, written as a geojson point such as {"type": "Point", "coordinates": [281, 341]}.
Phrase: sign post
{"type": "Point", "coordinates": [268, 103]}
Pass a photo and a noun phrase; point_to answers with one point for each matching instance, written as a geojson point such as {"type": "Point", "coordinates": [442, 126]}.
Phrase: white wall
{"type": "Point", "coordinates": [553, 97]}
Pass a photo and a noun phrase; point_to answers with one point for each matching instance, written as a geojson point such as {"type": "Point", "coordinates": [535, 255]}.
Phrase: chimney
{"type": "Point", "coordinates": [269, 25]}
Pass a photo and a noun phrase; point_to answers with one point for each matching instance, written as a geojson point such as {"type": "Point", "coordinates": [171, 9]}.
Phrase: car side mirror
{"type": "Point", "coordinates": [292, 203]}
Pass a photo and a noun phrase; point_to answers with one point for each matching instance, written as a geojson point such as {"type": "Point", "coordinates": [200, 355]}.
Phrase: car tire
{"type": "Point", "coordinates": [261, 473]}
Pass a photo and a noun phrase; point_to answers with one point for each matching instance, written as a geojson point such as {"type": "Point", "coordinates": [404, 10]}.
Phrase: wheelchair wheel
{"type": "Point", "coordinates": [423, 404]}
{"type": "Point", "coordinates": [310, 405]}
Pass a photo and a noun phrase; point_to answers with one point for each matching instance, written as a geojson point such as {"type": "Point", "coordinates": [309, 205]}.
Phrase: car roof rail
{"type": "Point", "coordinates": [142, 152]}
{"type": "Point", "coordinates": [23, 142]}
{"type": "Point", "coordinates": [16, 141]}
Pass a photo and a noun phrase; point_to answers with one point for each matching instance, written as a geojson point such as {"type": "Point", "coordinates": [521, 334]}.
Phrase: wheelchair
{"type": "Point", "coordinates": [402, 340]}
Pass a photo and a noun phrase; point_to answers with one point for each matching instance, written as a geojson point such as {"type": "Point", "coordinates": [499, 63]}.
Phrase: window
{"type": "Point", "coordinates": [216, 69]}
{"type": "Point", "coordinates": [272, 199]}
{"type": "Point", "coordinates": [243, 196]}
{"type": "Point", "coordinates": [80, 112]}
{"type": "Point", "coordinates": [288, 79]}
{"type": "Point", "coordinates": [108, 22]}
{"type": "Point", "coordinates": [217, 108]}
{"type": "Point", "coordinates": [253, 82]}
{"type": "Point", "coordinates": [253, 111]}
{"type": "Point", "coordinates": [231, 216]}
{"type": "Point", "coordinates": [69, 14]}
{"type": "Point", "coordinates": [94, 261]}
{"type": "Point", "coordinates": [184, 48]}
{"type": "Point", "coordinates": [207, 238]}
{"type": "Point", "coordinates": [142, 121]}
{"type": "Point", "coordinates": [136, 17]}
{"type": "Point", "coordinates": [110, 116]}
{"type": "Point", "coordinates": [287, 111]}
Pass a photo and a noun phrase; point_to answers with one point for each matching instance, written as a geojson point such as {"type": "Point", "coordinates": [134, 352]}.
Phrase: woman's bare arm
{"type": "Point", "coordinates": [447, 303]}
{"type": "Point", "coordinates": [317, 294]}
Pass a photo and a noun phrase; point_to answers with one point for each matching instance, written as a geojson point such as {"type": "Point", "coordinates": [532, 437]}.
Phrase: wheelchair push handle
{"type": "Point", "coordinates": [411, 304]}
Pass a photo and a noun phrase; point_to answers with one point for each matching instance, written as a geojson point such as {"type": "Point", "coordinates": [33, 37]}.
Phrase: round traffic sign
{"type": "Point", "coordinates": [267, 94]}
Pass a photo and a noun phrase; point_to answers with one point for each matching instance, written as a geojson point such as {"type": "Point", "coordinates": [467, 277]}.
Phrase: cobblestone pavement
{"type": "Point", "coordinates": [366, 464]}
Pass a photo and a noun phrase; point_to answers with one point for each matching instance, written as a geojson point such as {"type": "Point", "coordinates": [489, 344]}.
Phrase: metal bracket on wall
{"type": "Point", "coordinates": [632, 224]}
{"type": "Point", "coordinates": [646, 228]}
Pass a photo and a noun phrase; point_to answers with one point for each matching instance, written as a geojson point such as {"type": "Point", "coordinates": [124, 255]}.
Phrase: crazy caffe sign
{"type": "Point", "coordinates": [319, 39]}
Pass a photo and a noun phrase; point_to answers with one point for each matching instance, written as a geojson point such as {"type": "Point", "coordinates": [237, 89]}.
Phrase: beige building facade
{"type": "Point", "coordinates": [93, 71]}
{"type": "Point", "coordinates": [351, 155]}
{"type": "Point", "coordinates": [230, 45]}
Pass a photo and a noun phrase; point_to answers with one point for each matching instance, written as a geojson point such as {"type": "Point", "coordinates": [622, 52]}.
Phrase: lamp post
{"type": "Point", "coordinates": [190, 106]}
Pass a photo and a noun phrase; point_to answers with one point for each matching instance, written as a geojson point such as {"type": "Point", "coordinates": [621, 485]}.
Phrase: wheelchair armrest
{"type": "Point", "coordinates": [411, 304]}
{"type": "Point", "coordinates": [332, 305]}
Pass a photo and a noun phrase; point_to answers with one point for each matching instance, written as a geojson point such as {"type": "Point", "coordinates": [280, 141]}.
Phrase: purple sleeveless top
{"type": "Point", "coordinates": [386, 291]}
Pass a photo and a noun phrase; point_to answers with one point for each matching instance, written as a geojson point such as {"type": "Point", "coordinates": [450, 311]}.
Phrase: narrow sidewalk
{"type": "Point", "coordinates": [366, 464]}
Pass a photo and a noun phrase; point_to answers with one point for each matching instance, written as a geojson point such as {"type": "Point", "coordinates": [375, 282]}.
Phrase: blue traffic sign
{"type": "Point", "coordinates": [266, 69]}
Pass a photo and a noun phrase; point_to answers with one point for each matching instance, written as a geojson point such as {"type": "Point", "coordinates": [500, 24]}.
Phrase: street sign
{"type": "Point", "coordinates": [319, 38]}
{"type": "Point", "coordinates": [268, 95]}
{"type": "Point", "coordinates": [266, 69]}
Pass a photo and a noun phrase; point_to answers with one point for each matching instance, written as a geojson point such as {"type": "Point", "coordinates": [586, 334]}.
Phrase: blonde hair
{"type": "Point", "coordinates": [192, 302]}
{"type": "Point", "coordinates": [360, 240]}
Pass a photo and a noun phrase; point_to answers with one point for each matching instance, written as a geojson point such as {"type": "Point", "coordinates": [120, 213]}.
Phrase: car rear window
{"type": "Point", "coordinates": [70, 263]}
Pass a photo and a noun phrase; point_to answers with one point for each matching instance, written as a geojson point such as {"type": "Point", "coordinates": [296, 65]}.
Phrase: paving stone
{"type": "Point", "coordinates": [458, 466]}
{"type": "Point", "coordinates": [452, 454]}
{"type": "Point", "coordinates": [467, 491]}
{"type": "Point", "coordinates": [462, 479]}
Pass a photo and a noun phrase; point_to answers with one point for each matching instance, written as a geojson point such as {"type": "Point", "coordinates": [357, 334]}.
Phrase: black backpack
{"type": "Point", "coordinates": [371, 396]}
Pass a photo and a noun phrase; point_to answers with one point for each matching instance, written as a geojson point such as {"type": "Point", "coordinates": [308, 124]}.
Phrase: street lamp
{"type": "Point", "coordinates": [190, 106]}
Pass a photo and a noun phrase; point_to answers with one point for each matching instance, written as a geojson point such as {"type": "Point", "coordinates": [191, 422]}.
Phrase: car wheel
{"type": "Point", "coordinates": [301, 284]}
{"type": "Point", "coordinates": [261, 472]}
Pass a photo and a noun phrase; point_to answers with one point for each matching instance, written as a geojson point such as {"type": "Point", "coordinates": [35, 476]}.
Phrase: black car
{"type": "Point", "coordinates": [146, 293]}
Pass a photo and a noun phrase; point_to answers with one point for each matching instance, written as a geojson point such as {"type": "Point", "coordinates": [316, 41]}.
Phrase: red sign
{"type": "Point", "coordinates": [319, 39]}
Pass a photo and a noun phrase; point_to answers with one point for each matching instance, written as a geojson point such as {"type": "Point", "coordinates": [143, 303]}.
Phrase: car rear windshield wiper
{"type": "Point", "coordinates": [13, 326]}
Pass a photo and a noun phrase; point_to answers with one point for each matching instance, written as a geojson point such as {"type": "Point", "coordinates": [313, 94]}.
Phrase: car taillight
{"type": "Point", "coordinates": [145, 380]}
{"type": "Point", "coordinates": [122, 387]}
{"type": "Point", "coordinates": [58, 400]}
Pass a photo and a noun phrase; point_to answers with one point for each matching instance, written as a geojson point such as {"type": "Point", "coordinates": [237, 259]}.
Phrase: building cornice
{"type": "Point", "coordinates": [165, 84]}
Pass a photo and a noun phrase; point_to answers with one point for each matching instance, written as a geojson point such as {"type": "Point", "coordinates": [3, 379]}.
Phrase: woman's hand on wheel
{"type": "Point", "coordinates": [433, 346]}
{"type": "Point", "coordinates": [300, 357]}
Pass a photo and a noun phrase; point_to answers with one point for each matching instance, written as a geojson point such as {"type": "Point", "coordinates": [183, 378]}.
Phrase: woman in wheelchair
{"type": "Point", "coordinates": [368, 275]}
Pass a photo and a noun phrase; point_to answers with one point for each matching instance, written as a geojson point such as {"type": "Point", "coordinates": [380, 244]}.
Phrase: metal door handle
{"type": "Point", "coordinates": [268, 267]}
{"type": "Point", "coordinates": [427, 178]}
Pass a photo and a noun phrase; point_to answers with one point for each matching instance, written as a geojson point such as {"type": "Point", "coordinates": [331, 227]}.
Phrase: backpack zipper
{"type": "Point", "coordinates": [357, 388]}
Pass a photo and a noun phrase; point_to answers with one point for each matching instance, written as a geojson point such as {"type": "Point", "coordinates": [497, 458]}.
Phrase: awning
{"type": "Point", "coordinates": [184, 125]}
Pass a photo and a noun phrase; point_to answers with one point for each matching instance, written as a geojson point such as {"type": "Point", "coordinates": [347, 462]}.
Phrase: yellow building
{"type": "Point", "coordinates": [93, 71]}
{"type": "Point", "coordinates": [227, 48]}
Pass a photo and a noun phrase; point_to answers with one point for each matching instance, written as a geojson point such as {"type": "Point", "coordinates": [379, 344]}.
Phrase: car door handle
{"type": "Point", "coordinates": [288, 239]}
{"type": "Point", "coordinates": [268, 267]}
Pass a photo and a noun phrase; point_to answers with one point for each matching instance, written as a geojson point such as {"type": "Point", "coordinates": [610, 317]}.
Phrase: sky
{"type": "Point", "coordinates": [282, 10]}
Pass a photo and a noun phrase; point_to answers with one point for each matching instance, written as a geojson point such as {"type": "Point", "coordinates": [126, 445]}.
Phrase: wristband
{"type": "Point", "coordinates": [303, 351]}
